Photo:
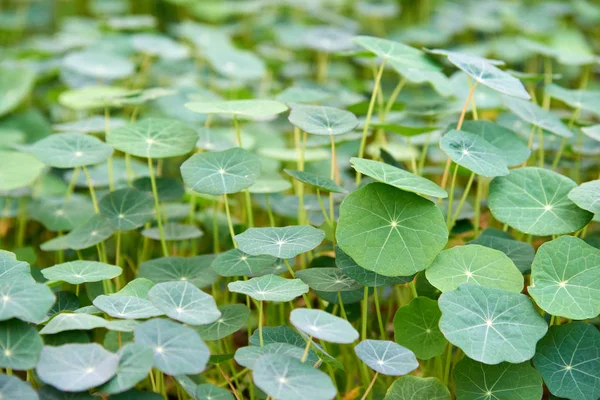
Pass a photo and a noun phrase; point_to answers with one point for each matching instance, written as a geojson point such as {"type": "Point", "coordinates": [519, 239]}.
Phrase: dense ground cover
{"type": "Point", "coordinates": [299, 200]}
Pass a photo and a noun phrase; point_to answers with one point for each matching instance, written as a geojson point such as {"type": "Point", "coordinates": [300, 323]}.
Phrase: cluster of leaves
{"type": "Point", "coordinates": [283, 208]}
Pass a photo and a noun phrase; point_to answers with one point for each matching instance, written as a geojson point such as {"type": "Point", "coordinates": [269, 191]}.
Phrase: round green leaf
{"type": "Point", "coordinates": [237, 65]}
{"type": "Point", "coordinates": [414, 387]}
{"type": "Point", "coordinates": [212, 392]}
{"type": "Point", "coordinates": [184, 302]}
{"type": "Point", "coordinates": [233, 318]}
{"type": "Point", "coordinates": [395, 51]}
{"type": "Point", "coordinates": [92, 97]}
{"type": "Point", "coordinates": [127, 209]}
{"type": "Point", "coordinates": [24, 300]}
{"type": "Point", "coordinates": [70, 150]}
{"type": "Point", "coordinates": [138, 287]}
{"type": "Point", "coordinates": [504, 381]}
{"type": "Point", "coordinates": [475, 264]}
{"type": "Point", "coordinates": [328, 280]}
{"type": "Point", "coordinates": [99, 66]}
{"type": "Point", "coordinates": [284, 242]}
{"type": "Point", "coordinates": [20, 345]}
{"type": "Point", "coordinates": [247, 356]}
{"type": "Point", "coordinates": [474, 153]}
{"type": "Point", "coordinates": [278, 334]}
{"type": "Point", "coordinates": [254, 108]}
{"type": "Point", "coordinates": [237, 263]}
{"type": "Point", "coordinates": [520, 253]}
{"type": "Point", "coordinates": [57, 214]}
{"type": "Point", "coordinates": [177, 349]}
{"type": "Point", "coordinates": [568, 359]}
{"type": "Point", "coordinates": [76, 367]}
{"type": "Point", "coordinates": [77, 272]}
{"type": "Point", "coordinates": [320, 120]}
{"type": "Point", "coordinates": [126, 307]}
{"type": "Point", "coordinates": [319, 182]}
{"type": "Point", "coordinates": [160, 46]}
{"type": "Point", "coordinates": [174, 231]}
{"type": "Point", "coordinates": [135, 362]}
{"type": "Point", "coordinates": [284, 377]}
{"type": "Point", "coordinates": [322, 325]}
{"type": "Point", "coordinates": [12, 269]}
{"type": "Point", "coordinates": [416, 327]}
{"type": "Point", "coordinates": [565, 278]}
{"type": "Point", "coordinates": [587, 196]}
{"type": "Point", "coordinates": [385, 357]}
{"type": "Point", "coordinates": [491, 325]}
{"type": "Point", "coordinates": [94, 124]}
{"type": "Point", "coordinates": [154, 138]}
{"type": "Point", "coordinates": [537, 116]}
{"type": "Point", "coordinates": [95, 230]}
{"type": "Point", "coordinates": [291, 155]}
{"type": "Point", "coordinates": [397, 177]}
{"type": "Point", "coordinates": [535, 201]}
{"type": "Point", "coordinates": [18, 170]}
{"type": "Point", "coordinates": [73, 322]}
{"type": "Point", "coordinates": [513, 148]}
{"type": "Point", "coordinates": [15, 85]}
{"type": "Point", "coordinates": [270, 288]}
{"type": "Point", "coordinates": [486, 73]}
{"type": "Point", "coordinates": [380, 225]}
{"type": "Point", "coordinates": [222, 172]}
{"type": "Point", "coordinates": [12, 387]}
{"type": "Point", "coordinates": [363, 276]}
{"type": "Point", "coordinates": [195, 270]}
{"type": "Point", "coordinates": [269, 185]}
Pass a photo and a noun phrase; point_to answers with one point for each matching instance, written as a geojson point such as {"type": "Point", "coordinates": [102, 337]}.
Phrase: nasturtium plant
{"type": "Point", "coordinates": [396, 225]}
{"type": "Point", "coordinates": [286, 200]}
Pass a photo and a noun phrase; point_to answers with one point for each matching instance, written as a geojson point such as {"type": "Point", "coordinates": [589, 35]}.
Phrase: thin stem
{"type": "Point", "coordinates": [72, 183]}
{"type": "Point", "coordinates": [394, 96]}
{"type": "Point", "coordinates": [451, 196]}
{"type": "Point", "coordinates": [463, 198]}
{"type": "Point", "coordinates": [363, 140]}
{"type": "Point", "coordinates": [342, 308]}
{"type": "Point", "coordinates": [323, 210]}
{"type": "Point", "coordinates": [118, 249]}
{"type": "Point", "coordinates": [370, 386]}
{"type": "Point", "coordinates": [378, 312]}
{"type": "Point", "coordinates": [229, 221]}
{"type": "Point", "coordinates": [306, 349]}
{"type": "Point", "coordinates": [161, 232]}
{"type": "Point", "coordinates": [91, 188]}
{"type": "Point", "coordinates": [365, 311]}
{"type": "Point", "coordinates": [260, 323]}
{"type": "Point", "coordinates": [332, 177]}
{"type": "Point", "coordinates": [238, 132]}
{"type": "Point", "coordinates": [447, 364]}
{"type": "Point", "coordinates": [478, 206]}
{"type": "Point", "coordinates": [269, 210]}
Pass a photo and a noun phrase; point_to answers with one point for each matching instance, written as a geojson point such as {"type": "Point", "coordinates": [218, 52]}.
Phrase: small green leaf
{"type": "Point", "coordinates": [270, 288]}
{"type": "Point", "coordinates": [474, 153]}
{"type": "Point", "coordinates": [363, 276]}
{"type": "Point", "coordinates": [184, 302]}
{"type": "Point", "coordinates": [73, 322]}
{"type": "Point", "coordinates": [395, 51]}
{"type": "Point", "coordinates": [247, 356]}
{"type": "Point", "coordinates": [135, 362]}
{"type": "Point", "coordinates": [12, 387]}
{"type": "Point", "coordinates": [254, 108]}
{"type": "Point", "coordinates": [285, 242]}
{"type": "Point", "coordinates": [537, 116]}
{"type": "Point", "coordinates": [18, 170]}
{"type": "Point", "coordinates": [20, 346]}
{"type": "Point", "coordinates": [414, 387]}
{"type": "Point", "coordinates": [322, 325]}
{"type": "Point", "coordinates": [25, 300]}
{"type": "Point", "coordinates": [385, 357]}
{"type": "Point", "coordinates": [319, 182]}
{"type": "Point", "coordinates": [233, 318]}
{"type": "Point", "coordinates": [70, 150]}
{"type": "Point", "coordinates": [587, 196]}
{"type": "Point", "coordinates": [127, 209]}
{"type": "Point", "coordinates": [78, 272]}
{"type": "Point", "coordinates": [195, 270]}
{"type": "Point", "coordinates": [328, 280]}
{"type": "Point", "coordinates": [320, 120]}
{"type": "Point", "coordinates": [126, 307]}
{"type": "Point", "coordinates": [235, 262]}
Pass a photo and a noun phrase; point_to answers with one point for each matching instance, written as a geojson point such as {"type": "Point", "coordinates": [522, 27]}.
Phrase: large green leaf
{"type": "Point", "coordinates": [126, 307]}
{"type": "Point", "coordinates": [380, 225]}
{"type": "Point", "coordinates": [414, 388]}
{"type": "Point", "coordinates": [587, 196]}
{"type": "Point", "coordinates": [25, 300]}
{"type": "Point", "coordinates": [233, 318]}
{"type": "Point", "coordinates": [95, 230]}
{"type": "Point", "coordinates": [77, 272]}
{"type": "Point", "coordinates": [569, 360]}
{"type": "Point", "coordinates": [385, 357]}
{"type": "Point", "coordinates": [588, 100]}
{"type": "Point", "coordinates": [322, 325]}
{"type": "Point", "coordinates": [76, 367]}
{"type": "Point", "coordinates": [58, 214]}
{"type": "Point", "coordinates": [184, 302]}
{"type": "Point", "coordinates": [486, 73]}
{"type": "Point", "coordinates": [135, 362]}
{"type": "Point", "coordinates": [320, 120]}
{"type": "Point", "coordinates": [474, 153]}
{"type": "Point", "coordinates": [537, 116]}
{"type": "Point", "coordinates": [73, 322]}
{"type": "Point", "coordinates": [12, 387]}
{"type": "Point", "coordinates": [15, 85]}
{"type": "Point", "coordinates": [504, 381]}
{"type": "Point", "coordinates": [535, 201]}
{"type": "Point", "coordinates": [284, 242]}
{"type": "Point", "coordinates": [177, 349]}
{"type": "Point", "coordinates": [397, 177]}
{"type": "Point", "coordinates": [195, 270]}
{"type": "Point", "coordinates": [416, 327]}
{"type": "Point", "coordinates": [254, 108]}
{"type": "Point", "coordinates": [127, 209]}
{"type": "Point", "coordinates": [20, 345]}
{"type": "Point", "coordinates": [398, 52]}
{"type": "Point", "coordinates": [12, 269]}
{"type": "Point", "coordinates": [222, 172]}
{"type": "Point", "coordinates": [491, 325]}
{"type": "Point", "coordinates": [70, 150]}
{"type": "Point", "coordinates": [235, 262]}
{"type": "Point", "coordinates": [18, 170]}
{"type": "Point", "coordinates": [284, 377]}
{"type": "Point", "coordinates": [475, 264]}
{"type": "Point", "coordinates": [154, 138]}
{"type": "Point", "coordinates": [565, 278]}
{"type": "Point", "coordinates": [270, 288]}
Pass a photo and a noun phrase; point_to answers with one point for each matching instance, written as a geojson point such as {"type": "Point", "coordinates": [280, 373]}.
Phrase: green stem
{"type": "Point", "coordinates": [447, 364]}
{"type": "Point", "coordinates": [161, 232]}
{"type": "Point", "coordinates": [478, 206]}
{"type": "Point", "coordinates": [365, 312]}
{"type": "Point", "coordinates": [370, 386]}
{"type": "Point", "coordinates": [451, 196]}
{"type": "Point", "coordinates": [342, 308]}
{"type": "Point", "coordinates": [269, 210]}
{"type": "Point", "coordinates": [229, 221]}
{"type": "Point", "coordinates": [378, 311]}
{"type": "Point", "coordinates": [393, 97]}
{"type": "Point", "coordinates": [91, 189]}
{"type": "Point", "coordinates": [72, 182]}
{"type": "Point", "coordinates": [306, 349]}
{"type": "Point", "coordinates": [363, 140]}
{"type": "Point", "coordinates": [260, 323]}
{"type": "Point", "coordinates": [462, 199]}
